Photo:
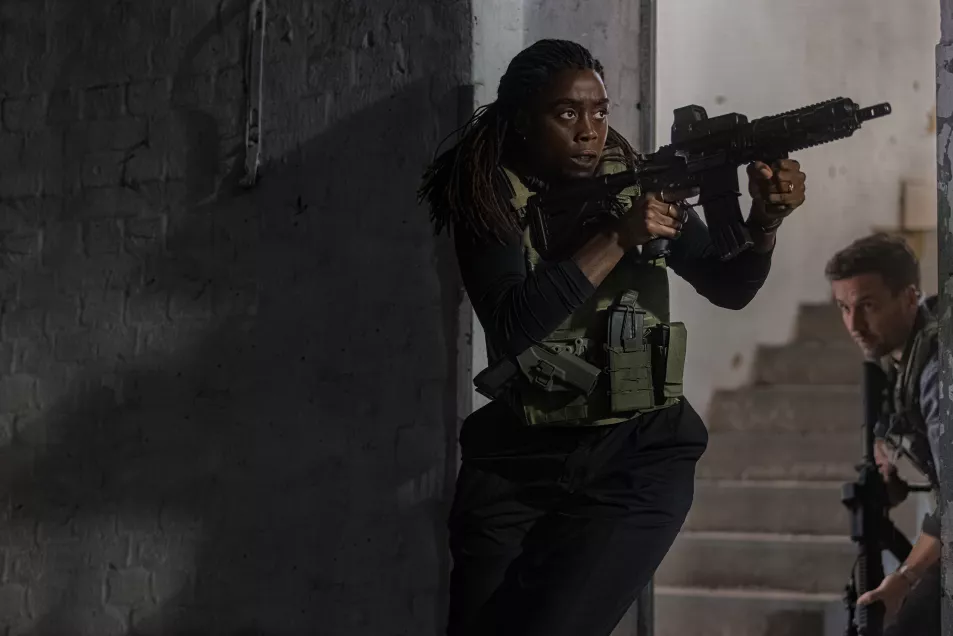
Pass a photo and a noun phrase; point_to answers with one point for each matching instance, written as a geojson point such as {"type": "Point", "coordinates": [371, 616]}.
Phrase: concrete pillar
{"type": "Point", "coordinates": [944, 115]}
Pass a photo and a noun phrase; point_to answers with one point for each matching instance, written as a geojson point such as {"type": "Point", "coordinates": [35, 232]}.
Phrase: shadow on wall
{"type": "Point", "coordinates": [277, 456]}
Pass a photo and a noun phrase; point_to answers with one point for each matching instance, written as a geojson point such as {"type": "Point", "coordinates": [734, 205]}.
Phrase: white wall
{"type": "Point", "coordinates": [497, 37]}
{"type": "Point", "coordinates": [760, 58]}
{"type": "Point", "coordinates": [610, 30]}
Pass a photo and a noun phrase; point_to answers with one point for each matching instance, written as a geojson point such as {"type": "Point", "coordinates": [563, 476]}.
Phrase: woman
{"type": "Point", "coordinates": [556, 528]}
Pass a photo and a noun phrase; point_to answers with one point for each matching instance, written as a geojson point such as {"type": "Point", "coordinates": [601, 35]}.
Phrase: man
{"type": "Point", "coordinates": [876, 284]}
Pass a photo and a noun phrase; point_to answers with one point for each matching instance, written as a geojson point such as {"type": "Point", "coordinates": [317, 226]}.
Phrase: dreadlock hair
{"type": "Point", "coordinates": [462, 185]}
{"type": "Point", "coordinates": [879, 253]}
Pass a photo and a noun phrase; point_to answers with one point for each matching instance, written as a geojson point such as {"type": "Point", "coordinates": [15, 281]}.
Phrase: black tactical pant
{"type": "Point", "coordinates": [554, 532]}
{"type": "Point", "coordinates": [920, 613]}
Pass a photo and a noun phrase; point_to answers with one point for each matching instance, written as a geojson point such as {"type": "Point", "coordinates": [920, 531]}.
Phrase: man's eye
{"type": "Point", "coordinates": [602, 114]}
{"type": "Point", "coordinates": [567, 114]}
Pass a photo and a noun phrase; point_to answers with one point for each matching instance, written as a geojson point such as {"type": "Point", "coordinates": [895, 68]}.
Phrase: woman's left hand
{"type": "Point", "coordinates": [776, 191]}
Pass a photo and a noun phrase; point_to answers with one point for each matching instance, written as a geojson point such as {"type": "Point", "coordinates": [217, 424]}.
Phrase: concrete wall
{"type": "Point", "coordinates": [224, 411]}
{"type": "Point", "coordinates": [760, 58]}
{"type": "Point", "coordinates": [610, 29]}
{"type": "Point", "coordinates": [498, 35]}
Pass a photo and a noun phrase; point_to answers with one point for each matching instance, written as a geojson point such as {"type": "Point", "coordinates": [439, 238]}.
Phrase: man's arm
{"type": "Point", "coordinates": [730, 284]}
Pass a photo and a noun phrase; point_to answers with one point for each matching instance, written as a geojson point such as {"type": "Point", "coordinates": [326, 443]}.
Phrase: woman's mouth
{"type": "Point", "coordinates": [585, 159]}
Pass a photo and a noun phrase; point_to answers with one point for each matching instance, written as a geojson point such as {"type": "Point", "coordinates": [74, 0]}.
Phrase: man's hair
{"type": "Point", "coordinates": [880, 253]}
{"type": "Point", "coordinates": [462, 184]}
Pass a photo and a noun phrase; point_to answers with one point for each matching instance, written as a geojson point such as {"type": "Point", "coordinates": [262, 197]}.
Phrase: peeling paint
{"type": "Point", "coordinates": [944, 124]}
{"type": "Point", "coordinates": [943, 141]}
{"type": "Point", "coordinates": [944, 101]}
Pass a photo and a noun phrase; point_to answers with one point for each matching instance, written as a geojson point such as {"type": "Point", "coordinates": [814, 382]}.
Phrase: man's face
{"type": "Point", "coordinates": [877, 318]}
{"type": "Point", "coordinates": [567, 127]}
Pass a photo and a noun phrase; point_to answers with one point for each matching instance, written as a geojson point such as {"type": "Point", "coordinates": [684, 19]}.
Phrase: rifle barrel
{"type": "Point", "coordinates": [873, 112]}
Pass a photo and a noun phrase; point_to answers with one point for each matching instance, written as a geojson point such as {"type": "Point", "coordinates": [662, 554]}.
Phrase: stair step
{"type": "Point", "coordinates": [783, 455]}
{"type": "Point", "coordinates": [683, 611]}
{"type": "Point", "coordinates": [787, 408]}
{"type": "Point", "coordinates": [796, 562]}
{"type": "Point", "coordinates": [820, 322]}
{"type": "Point", "coordinates": [794, 507]}
{"type": "Point", "coordinates": [809, 363]}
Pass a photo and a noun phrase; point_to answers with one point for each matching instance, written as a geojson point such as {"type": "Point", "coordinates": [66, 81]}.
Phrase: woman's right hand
{"type": "Point", "coordinates": [649, 217]}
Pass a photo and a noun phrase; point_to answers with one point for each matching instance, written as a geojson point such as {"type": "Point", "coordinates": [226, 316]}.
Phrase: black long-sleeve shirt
{"type": "Point", "coordinates": [518, 308]}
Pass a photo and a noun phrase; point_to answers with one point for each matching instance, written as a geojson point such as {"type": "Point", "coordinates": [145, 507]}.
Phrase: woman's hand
{"type": "Point", "coordinates": [652, 216]}
{"type": "Point", "coordinates": [776, 191]}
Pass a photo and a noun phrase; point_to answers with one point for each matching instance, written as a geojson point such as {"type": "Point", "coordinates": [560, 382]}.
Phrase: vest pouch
{"type": "Point", "coordinates": [552, 371]}
{"type": "Point", "coordinates": [631, 385]}
{"type": "Point", "coordinates": [671, 361]}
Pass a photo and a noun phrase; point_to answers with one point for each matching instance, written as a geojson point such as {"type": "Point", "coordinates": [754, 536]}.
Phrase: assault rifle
{"type": "Point", "coordinates": [705, 154]}
{"type": "Point", "coordinates": [871, 529]}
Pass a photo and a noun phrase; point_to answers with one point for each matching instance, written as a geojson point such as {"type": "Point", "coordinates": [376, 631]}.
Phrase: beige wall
{"type": "Point", "coordinates": [760, 58]}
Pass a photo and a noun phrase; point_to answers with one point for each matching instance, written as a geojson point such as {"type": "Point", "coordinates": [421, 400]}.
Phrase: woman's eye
{"type": "Point", "coordinates": [602, 114]}
{"type": "Point", "coordinates": [567, 114]}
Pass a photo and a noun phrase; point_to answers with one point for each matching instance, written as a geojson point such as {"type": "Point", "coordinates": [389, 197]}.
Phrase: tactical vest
{"type": "Point", "coordinates": [902, 407]}
{"type": "Point", "coordinates": [622, 330]}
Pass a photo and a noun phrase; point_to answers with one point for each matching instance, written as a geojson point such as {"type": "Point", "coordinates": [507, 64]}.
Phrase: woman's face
{"type": "Point", "coordinates": [566, 128]}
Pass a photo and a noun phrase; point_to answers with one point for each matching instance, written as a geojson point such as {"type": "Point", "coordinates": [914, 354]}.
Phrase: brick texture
{"type": "Point", "coordinates": [212, 398]}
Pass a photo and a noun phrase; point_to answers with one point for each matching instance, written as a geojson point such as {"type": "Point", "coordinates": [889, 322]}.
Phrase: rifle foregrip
{"type": "Point", "coordinates": [730, 239]}
{"type": "Point", "coordinates": [726, 225]}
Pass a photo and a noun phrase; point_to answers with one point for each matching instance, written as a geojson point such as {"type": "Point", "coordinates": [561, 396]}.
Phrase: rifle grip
{"type": "Point", "coordinates": [655, 249]}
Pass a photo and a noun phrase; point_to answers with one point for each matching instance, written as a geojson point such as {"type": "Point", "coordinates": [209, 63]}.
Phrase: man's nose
{"type": "Point", "coordinates": [855, 321]}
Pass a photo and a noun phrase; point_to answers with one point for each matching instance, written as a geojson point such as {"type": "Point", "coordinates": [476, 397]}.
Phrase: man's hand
{"type": "Point", "coordinates": [775, 191]}
{"type": "Point", "coordinates": [883, 459]}
{"type": "Point", "coordinates": [891, 592]}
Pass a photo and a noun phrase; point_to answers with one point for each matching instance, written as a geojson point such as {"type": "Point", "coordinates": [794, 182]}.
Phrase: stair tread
{"type": "Point", "coordinates": [747, 593]}
{"type": "Point", "coordinates": [765, 537]}
{"type": "Point", "coordinates": [767, 484]}
{"type": "Point", "coordinates": [814, 389]}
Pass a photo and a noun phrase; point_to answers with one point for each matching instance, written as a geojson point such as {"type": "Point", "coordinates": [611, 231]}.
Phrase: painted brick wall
{"type": "Point", "coordinates": [224, 411]}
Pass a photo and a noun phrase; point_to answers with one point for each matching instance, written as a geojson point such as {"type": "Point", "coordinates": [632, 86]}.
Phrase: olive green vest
{"type": "Point", "coordinates": [641, 371]}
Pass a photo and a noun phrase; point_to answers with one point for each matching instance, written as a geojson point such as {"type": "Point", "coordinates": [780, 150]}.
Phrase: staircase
{"type": "Point", "coordinates": [765, 550]}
